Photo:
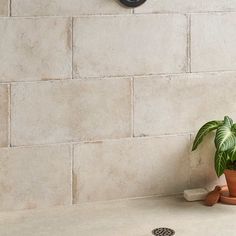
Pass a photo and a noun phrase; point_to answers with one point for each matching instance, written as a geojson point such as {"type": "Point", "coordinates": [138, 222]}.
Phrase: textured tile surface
{"type": "Point", "coordinates": [66, 7]}
{"type": "Point", "coordinates": [35, 48]}
{"type": "Point", "coordinates": [127, 218]}
{"type": "Point", "coordinates": [213, 42]}
{"type": "Point", "coordinates": [131, 168]}
{"type": "Point", "coordinates": [129, 45]}
{"type": "Point", "coordinates": [35, 177]}
{"type": "Point", "coordinates": [4, 7]}
{"type": "Point", "coordinates": [63, 111]}
{"type": "Point", "coordinates": [203, 164]}
{"type": "Point", "coordinates": [3, 115]}
{"type": "Point", "coordinates": [182, 103]}
{"type": "Point", "coordinates": [186, 6]}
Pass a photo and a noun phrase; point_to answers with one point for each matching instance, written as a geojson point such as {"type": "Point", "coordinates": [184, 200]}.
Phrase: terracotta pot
{"type": "Point", "coordinates": [230, 176]}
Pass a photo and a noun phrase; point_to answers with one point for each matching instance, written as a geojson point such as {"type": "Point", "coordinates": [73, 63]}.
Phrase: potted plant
{"type": "Point", "coordinates": [225, 143]}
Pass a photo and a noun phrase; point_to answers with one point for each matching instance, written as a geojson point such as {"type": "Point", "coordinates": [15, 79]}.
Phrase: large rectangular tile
{"type": "Point", "coordinates": [33, 177]}
{"type": "Point", "coordinates": [186, 6]}
{"type": "Point", "coordinates": [129, 45]}
{"type": "Point", "coordinates": [4, 101]}
{"type": "Point", "coordinates": [35, 48]}
{"type": "Point", "coordinates": [213, 42]}
{"type": "Point", "coordinates": [131, 168]}
{"type": "Point", "coordinates": [70, 110]}
{"type": "Point", "coordinates": [182, 103]}
{"type": "Point", "coordinates": [4, 7]}
{"type": "Point", "coordinates": [66, 7]}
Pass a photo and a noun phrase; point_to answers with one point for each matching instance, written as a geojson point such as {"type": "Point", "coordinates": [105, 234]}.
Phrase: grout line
{"type": "Point", "coordinates": [103, 140]}
{"type": "Point", "coordinates": [189, 69]}
{"type": "Point", "coordinates": [9, 8]}
{"type": "Point", "coordinates": [158, 74]}
{"type": "Point", "coordinates": [183, 12]}
{"type": "Point", "coordinates": [72, 47]}
{"type": "Point", "coordinates": [130, 13]}
{"type": "Point", "coordinates": [9, 115]}
{"type": "Point", "coordinates": [118, 77]}
{"type": "Point", "coordinates": [75, 173]}
{"type": "Point", "coordinates": [132, 107]}
{"type": "Point", "coordinates": [34, 81]}
{"type": "Point", "coordinates": [72, 179]}
{"type": "Point", "coordinates": [174, 194]}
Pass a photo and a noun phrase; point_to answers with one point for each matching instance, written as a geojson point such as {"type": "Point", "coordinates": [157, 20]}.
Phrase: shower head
{"type": "Point", "coordinates": [132, 3]}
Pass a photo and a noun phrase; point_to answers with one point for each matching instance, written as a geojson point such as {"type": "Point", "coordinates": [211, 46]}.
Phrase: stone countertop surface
{"type": "Point", "coordinates": [137, 217]}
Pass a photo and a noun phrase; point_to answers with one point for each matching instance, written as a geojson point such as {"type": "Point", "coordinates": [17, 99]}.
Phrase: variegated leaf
{"type": "Point", "coordinates": [220, 162]}
{"type": "Point", "coordinates": [228, 121]}
{"type": "Point", "coordinates": [225, 138]}
{"type": "Point", "coordinates": [205, 129]}
{"type": "Point", "coordinates": [232, 154]}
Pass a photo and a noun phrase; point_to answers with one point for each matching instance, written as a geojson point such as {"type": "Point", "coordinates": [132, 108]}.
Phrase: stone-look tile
{"type": "Point", "coordinates": [3, 115]}
{"type": "Point", "coordinates": [4, 7]}
{"type": "Point", "coordinates": [213, 42]}
{"type": "Point", "coordinates": [131, 168]}
{"type": "Point", "coordinates": [66, 7]}
{"type": "Point", "coordinates": [186, 6]}
{"type": "Point", "coordinates": [129, 45]}
{"type": "Point", "coordinates": [202, 164]}
{"type": "Point", "coordinates": [182, 103]}
{"type": "Point", "coordinates": [70, 110]}
{"type": "Point", "coordinates": [33, 177]}
{"type": "Point", "coordinates": [35, 48]}
{"type": "Point", "coordinates": [135, 217]}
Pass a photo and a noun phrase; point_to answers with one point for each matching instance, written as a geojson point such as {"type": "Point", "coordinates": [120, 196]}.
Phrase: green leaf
{"type": "Point", "coordinates": [220, 162]}
{"type": "Point", "coordinates": [205, 129]}
{"type": "Point", "coordinates": [225, 138]}
{"type": "Point", "coordinates": [228, 121]}
{"type": "Point", "coordinates": [232, 154]}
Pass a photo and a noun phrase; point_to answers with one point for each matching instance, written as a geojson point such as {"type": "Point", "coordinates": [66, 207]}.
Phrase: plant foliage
{"type": "Point", "coordinates": [225, 143]}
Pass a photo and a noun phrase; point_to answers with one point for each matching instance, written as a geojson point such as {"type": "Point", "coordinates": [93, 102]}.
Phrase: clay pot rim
{"type": "Point", "coordinates": [229, 171]}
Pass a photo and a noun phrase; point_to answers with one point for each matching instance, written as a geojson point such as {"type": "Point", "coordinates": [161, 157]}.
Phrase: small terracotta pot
{"type": "Point", "coordinates": [230, 176]}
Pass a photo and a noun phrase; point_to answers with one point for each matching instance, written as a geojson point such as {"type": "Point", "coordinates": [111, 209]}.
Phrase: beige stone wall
{"type": "Point", "coordinates": [101, 102]}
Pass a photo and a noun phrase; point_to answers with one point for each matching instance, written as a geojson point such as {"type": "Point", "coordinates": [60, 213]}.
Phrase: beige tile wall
{"type": "Point", "coordinates": [74, 110]}
{"type": "Point", "coordinates": [4, 5]}
{"type": "Point", "coordinates": [213, 42]}
{"type": "Point", "coordinates": [124, 49]}
{"type": "Point", "coordinates": [187, 6]}
{"type": "Point", "coordinates": [131, 168]}
{"type": "Point", "coordinates": [4, 115]}
{"type": "Point", "coordinates": [35, 49]}
{"type": "Point", "coordinates": [66, 7]}
{"type": "Point", "coordinates": [33, 177]}
{"type": "Point", "coordinates": [82, 83]}
{"type": "Point", "coordinates": [196, 98]}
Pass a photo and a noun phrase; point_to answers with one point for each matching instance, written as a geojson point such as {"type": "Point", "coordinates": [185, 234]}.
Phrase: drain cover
{"type": "Point", "coordinates": [163, 232]}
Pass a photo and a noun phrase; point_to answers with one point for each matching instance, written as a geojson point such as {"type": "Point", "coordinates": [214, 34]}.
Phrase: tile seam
{"type": "Point", "coordinates": [189, 43]}
{"type": "Point", "coordinates": [131, 13]}
{"type": "Point", "coordinates": [9, 115]}
{"type": "Point", "coordinates": [132, 107]}
{"type": "Point", "coordinates": [9, 8]}
{"type": "Point", "coordinates": [72, 47]}
{"type": "Point", "coordinates": [101, 140]}
{"type": "Point", "coordinates": [72, 165]}
{"type": "Point", "coordinates": [119, 77]}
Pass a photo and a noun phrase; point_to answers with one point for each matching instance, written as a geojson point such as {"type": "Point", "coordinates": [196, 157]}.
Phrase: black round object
{"type": "Point", "coordinates": [163, 232]}
{"type": "Point", "coordinates": [132, 3]}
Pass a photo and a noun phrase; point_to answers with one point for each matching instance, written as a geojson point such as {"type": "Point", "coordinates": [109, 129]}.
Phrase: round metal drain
{"type": "Point", "coordinates": [163, 232]}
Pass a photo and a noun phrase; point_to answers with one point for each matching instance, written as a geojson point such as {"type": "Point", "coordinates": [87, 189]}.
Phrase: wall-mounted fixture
{"type": "Point", "coordinates": [132, 3]}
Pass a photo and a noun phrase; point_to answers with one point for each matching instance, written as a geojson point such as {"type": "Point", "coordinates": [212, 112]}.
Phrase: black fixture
{"type": "Point", "coordinates": [132, 3]}
{"type": "Point", "coordinates": [163, 232]}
